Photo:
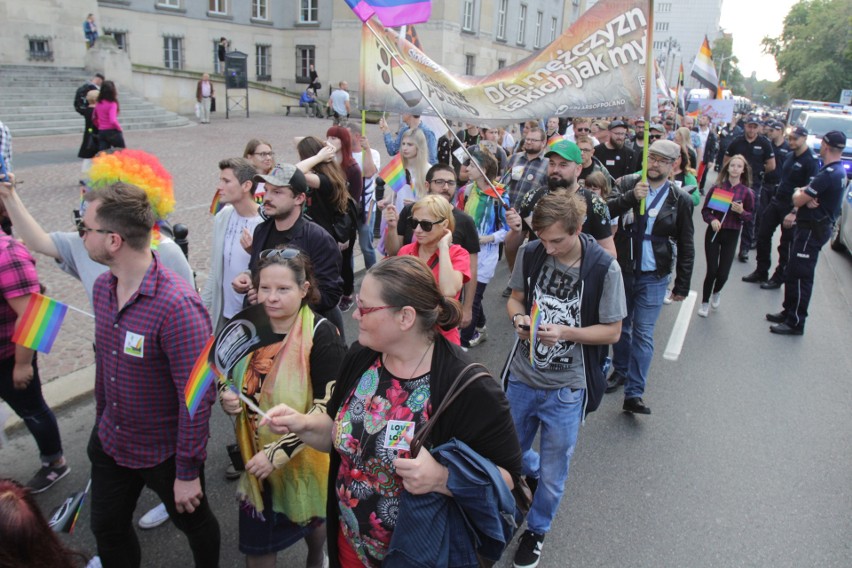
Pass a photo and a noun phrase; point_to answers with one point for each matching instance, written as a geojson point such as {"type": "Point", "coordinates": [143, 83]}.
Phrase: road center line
{"type": "Point", "coordinates": [680, 328]}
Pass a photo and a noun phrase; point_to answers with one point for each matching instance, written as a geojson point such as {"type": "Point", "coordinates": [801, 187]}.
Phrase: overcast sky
{"type": "Point", "coordinates": [750, 21]}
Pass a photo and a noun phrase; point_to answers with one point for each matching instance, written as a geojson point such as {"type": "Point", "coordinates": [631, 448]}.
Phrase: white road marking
{"type": "Point", "coordinates": [681, 325]}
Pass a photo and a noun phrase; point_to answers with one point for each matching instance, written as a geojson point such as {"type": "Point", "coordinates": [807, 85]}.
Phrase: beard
{"type": "Point", "coordinates": [555, 183]}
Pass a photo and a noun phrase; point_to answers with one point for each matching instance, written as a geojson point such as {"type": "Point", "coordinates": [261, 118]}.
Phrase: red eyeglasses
{"type": "Point", "coordinates": [362, 311]}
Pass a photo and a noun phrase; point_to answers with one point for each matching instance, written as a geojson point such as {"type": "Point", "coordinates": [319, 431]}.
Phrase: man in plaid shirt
{"type": "Point", "coordinates": [19, 381]}
{"type": "Point", "coordinates": [150, 327]}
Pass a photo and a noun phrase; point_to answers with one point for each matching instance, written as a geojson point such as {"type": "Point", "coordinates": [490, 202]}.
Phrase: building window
{"type": "Point", "coordinates": [263, 66]}
{"type": "Point", "coordinates": [467, 15]}
{"type": "Point", "coordinates": [218, 6]}
{"type": "Point", "coordinates": [660, 45]}
{"type": "Point", "coordinates": [120, 38]}
{"type": "Point", "coordinates": [260, 9]}
{"type": "Point", "coordinates": [309, 12]}
{"type": "Point", "coordinates": [501, 63]}
{"type": "Point", "coordinates": [40, 49]}
{"type": "Point", "coordinates": [522, 24]}
{"type": "Point", "coordinates": [661, 27]}
{"type": "Point", "coordinates": [305, 57]}
{"type": "Point", "coordinates": [664, 7]}
{"type": "Point", "coordinates": [501, 19]}
{"type": "Point", "coordinates": [169, 3]}
{"type": "Point", "coordinates": [552, 29]}
{"type": "Point", "coordinates": [469, 64]}
{"type": "Point", "coordinates": [539, 19]}
{"type": "Point", "coordinates": [173, 52]}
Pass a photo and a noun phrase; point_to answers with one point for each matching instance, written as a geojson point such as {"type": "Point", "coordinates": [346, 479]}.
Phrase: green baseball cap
{"type": "Point", "coordinates": [567, 150]}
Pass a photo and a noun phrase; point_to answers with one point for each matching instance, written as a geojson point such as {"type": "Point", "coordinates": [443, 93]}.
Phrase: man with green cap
{"type": "Point", "coordinates": [565, 162]}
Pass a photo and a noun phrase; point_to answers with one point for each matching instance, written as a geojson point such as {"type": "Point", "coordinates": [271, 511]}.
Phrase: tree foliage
{"type": "Point", "coordinates": [727, 69]}
{"type": "Point", "coordinates": [814, 52]}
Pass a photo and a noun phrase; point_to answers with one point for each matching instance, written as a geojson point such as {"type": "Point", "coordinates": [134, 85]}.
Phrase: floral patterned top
{"type": "Point", "coordinates": [375, 425]}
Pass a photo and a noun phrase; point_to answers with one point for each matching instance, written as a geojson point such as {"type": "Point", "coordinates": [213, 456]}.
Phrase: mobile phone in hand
{"type": "Point", "coordinates": [524, 326]}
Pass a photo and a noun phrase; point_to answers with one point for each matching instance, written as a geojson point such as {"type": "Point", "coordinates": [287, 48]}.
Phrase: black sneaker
{"type": "Point", "coordinates": [46, 477]}
{"type": "Point", "coordinates": [345, 303]}
{"type": "Point", "coordinates": [529, 550]}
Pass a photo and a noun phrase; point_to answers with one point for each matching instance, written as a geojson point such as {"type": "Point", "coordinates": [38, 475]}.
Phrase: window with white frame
{"type": "Point", "coordinates": [467, 15]}
{"type": "Point", "coordinates": [664, 7]}
{"type": "Point", "coordinates": [469, 64]}
{"type": "Point", "coordinates": [120, 38]}
{"type": "Point", "coordinates": [522, 24]}
{"type": "Point", "coordinates": [263, 62]}
{"type": "Point", "coordinates": [40, 49]}
{"type": "Point", "coordinates": [661, 26]}
{"type": "Point", "coordinates": [309, 12]}
{"type": "Point", "coordinates": [169, 3]}
{"type": "Point", "coordinates": [173, 52]}
{"type": "Point", "coordinates": [539, 20]}
{"type": "Point", "coordinates": [260, 9]}
{"type": "Point", "coordinates": [501, 19]}
{"type": "Point", "coordinates": [553, 23]}
{"type": "Point", "coordinates": [218, 6]}
{"type": "Point", "coordinates": [305, 57]}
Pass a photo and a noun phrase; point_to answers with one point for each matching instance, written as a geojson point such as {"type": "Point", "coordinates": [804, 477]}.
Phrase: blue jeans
{"type": "Point", "coordinates": [365, 240]}
{"type": "Point", "coordinates": [558, 412]}
{"type": "Point", "coordinates": [633, 353]}
{"type": "Point", "coordinates": [29, 404]}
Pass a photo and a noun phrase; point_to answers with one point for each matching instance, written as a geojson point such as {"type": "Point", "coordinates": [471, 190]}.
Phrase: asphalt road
{"type": "Point", "coordinates": [745, 461]}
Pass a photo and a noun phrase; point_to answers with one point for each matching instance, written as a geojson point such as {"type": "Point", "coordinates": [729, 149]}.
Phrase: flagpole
{"type": "Point", "coordinates": [79, 311]}
{"type": "Point", "coordinates": [363, 90]}
{"type": "Point", "coordinates": [401, 64]}
{"type": "Point", "coordinates": [649, 70]}
{"type": "Point", "coordinates": [713, 238]}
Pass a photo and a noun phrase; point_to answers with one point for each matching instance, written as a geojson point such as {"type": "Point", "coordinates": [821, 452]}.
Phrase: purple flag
{"type": "Point", "coordinates": [392, 13]}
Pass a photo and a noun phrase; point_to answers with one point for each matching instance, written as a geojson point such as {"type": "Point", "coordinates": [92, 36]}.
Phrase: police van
{"type": "Point", "coordinates": [820, 122]}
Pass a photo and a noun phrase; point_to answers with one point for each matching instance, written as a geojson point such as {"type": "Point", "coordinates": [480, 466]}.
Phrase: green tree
{"type": "Point", "coordinates": [726, 64]}
{"type": "Point", "coordinates": [814, 51]}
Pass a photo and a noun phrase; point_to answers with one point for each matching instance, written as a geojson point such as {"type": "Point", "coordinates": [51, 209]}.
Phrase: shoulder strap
{"type": "Point", "coordinates": [316, 325]}
{"type": "Point", "coordinates": [458, 386]}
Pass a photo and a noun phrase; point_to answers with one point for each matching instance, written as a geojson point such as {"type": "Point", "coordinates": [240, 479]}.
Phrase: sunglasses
{"type": "Point", "coordinates": [657, 137]}
{"type": "Point", "coordinates": [425, 225]}
{"type": "Point", "coordinates": [362, 311]}
{"type": "Point", "coordinates": [82, 229]}
{"type": "Point", "coordinates": [583, 129]}
{"type": "Point", "coordinates": [285, 254]}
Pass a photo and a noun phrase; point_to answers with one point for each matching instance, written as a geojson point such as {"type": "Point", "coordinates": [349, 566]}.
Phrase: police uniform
{"type": "Point", "coordinates": [773, 178]}
{"type": "Point", "coordinates": [756, 154]}
{"type": "Point", "coordinates": [796, 171]}
{"type": "Point", "coordinates": [812, 231]}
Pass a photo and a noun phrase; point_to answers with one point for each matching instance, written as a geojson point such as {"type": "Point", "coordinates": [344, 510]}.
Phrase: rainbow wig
{"type": "Point", "coordinates": [138, 168]}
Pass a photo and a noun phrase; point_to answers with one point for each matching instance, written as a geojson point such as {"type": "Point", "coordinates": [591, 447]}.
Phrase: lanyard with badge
{"type": "Point", "coordinates": [653, 210]}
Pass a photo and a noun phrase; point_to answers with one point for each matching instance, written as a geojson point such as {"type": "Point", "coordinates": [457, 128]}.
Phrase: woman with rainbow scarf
{"type": "Point", "coordinates": [282, 491]}
{"type": "Point", "coordinates": [479, 199]}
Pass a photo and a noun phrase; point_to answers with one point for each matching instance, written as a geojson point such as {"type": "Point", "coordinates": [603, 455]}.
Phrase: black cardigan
{"type": "Point", "coordinates": [479, 416]}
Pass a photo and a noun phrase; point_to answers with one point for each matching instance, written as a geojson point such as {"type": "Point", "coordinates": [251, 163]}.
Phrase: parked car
{"type": "Point", "coordinates": [820, 122]}
{"type": "Point", "coordinates": [841, 238]}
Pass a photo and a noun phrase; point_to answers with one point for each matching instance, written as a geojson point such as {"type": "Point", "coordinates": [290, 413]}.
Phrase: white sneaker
{"type": "Point", "coordinates": [715, 300]}
{"type": "Point", "coordinates": [668, 299]}
{"type": "Point", "coordinates": [154, 518]}
{"type": "Point", "coordinates": [704, 310]}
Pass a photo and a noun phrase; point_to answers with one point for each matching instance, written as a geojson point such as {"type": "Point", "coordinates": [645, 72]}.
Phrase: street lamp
{"type": "Point", "coordinates": [722, 66]}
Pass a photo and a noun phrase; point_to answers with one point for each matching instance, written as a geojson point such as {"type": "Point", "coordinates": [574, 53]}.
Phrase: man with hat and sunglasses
{"type": "Point", "coordinates": [645, 242]}
{"type": "Point", "coordinates": [817, 206]}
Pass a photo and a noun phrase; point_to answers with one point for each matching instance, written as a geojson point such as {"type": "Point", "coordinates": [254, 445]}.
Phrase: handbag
{"type": "Point", "coordinates": [212, 104]}
{"type": "Point", "coordinates": [521, 491]}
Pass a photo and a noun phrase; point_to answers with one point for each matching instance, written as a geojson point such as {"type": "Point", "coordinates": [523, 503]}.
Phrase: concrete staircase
{"type": "Point", "coordinates": [37, 101]}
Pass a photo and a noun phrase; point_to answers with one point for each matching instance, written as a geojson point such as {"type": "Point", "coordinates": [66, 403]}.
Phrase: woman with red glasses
{"type": "Point", "coordinates": [282, 491]}
{"type": "Point", "coordinates": [432, 222]}
{"type": "Point", "coordinates": [390, 384]}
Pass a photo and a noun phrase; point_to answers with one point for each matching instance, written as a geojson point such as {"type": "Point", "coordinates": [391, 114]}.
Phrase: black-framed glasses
{"type": "Point", "coordinates": [264, 155]}
{"type": "Point", "coordinates": [82, 229]}
{"type": "Point", "coordinates": [285, 254]}
{"type": "Point", "coordinates": [582, 130]}
{"type": "Point", "coordinates": [362, 311]}
{"type": "Point", "coordinates": [425, 225]}
{"type": "Point", "coordinates": [655, 137]}
{"type": "Point", "coordinates": [661, 161]}
{"type": "Point", "coordinates": [444, 182]}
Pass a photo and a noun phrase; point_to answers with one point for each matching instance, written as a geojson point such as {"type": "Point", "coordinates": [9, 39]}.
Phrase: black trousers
{"type": "Point", "coordinates": [749, 234]}
{"type": "Point", "coordinates": [719, 252]}
{"type": "Point", "coordinates": [773, 217]}
{"type": "Point", "coordinates": [799, 278]}
{"type": "Point", "coordinates": [115, 491]}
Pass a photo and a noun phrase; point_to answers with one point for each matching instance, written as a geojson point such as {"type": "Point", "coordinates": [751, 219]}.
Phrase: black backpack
{"type": "Point", "coordinates": [345, 225]}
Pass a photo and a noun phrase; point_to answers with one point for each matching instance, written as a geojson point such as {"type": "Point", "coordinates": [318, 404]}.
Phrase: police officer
{"type": "Point", "coordinates": [797, 169]}
{"type": "Point", "coordinates": [757, 150]}
{"type": "Point", "coordinates": [818, 206]}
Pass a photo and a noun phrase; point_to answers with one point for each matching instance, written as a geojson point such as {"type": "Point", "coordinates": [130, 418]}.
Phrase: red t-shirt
{"type": "Point", "coordinates": [461, 262]}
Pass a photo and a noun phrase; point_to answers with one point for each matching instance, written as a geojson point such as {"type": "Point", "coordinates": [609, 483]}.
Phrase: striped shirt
{"type": "Point", "coordinates": [144, 356]}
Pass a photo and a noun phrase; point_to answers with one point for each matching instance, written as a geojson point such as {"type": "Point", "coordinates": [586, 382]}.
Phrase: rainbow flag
{"type": "Point", "coordinates": [392, 13]}
{"type": "Point", "coordinates": [553, 140]}
{"type": "Point", "coordinates": [203, 375]}
{"type": "Point", "coordinates": [40, 324]}
{"type": "Point", "coordinates": [535, 322]}
{"type": "Point", "coordinates": [720, 200]}
{"type": "Point", "coordinates": [215, 205]}
{"type": "Point", "coordinates": [393, 173]}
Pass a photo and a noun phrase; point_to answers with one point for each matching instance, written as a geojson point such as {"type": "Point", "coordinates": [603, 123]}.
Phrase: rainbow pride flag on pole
{"type": "Point", "coordinates": [554, 140]}
{"type": "Point", "coordinates": [215, 205]}
{"type": "Point", "coordinates": [721, 200]}
{"type": "Point", "coordinates": [535, 322]}
{"type": "Point", "coordinates": [40, 324]}
{"type": "Point", "coordinates": [201, 378]}
{"type": "Point", "coordinates": [393, 173]}
{"type": "Point", "coordinates": [392, 13]}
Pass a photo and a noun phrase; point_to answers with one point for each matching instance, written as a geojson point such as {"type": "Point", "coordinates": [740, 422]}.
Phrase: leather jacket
{"type": "Point", "coordinates": [672, 227]}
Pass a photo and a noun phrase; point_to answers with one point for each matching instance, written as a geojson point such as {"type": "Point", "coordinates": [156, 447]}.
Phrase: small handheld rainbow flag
{"type": "Point", "coordinates": [535, 322]}
{"type": "Point", "coordinates": [215, 205]}
{"type": "Point", "coordinates": [553, 140]}
{"type": "Point", "coordinates": [40, 324]}
{"type": "Point", "coordinates": [720, 200]}
{"type": "Point", "coordinates": [393, 173]}
{"type": "Point", "coordinates": [203, 375]}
